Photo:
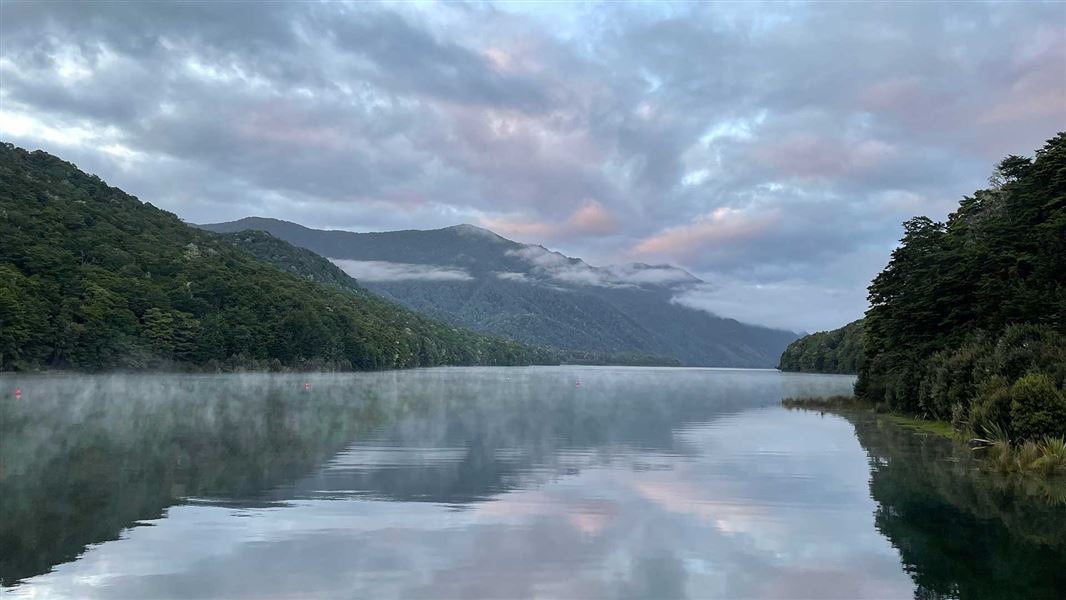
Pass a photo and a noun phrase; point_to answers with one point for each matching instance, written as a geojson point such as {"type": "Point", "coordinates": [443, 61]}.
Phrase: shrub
{"type": "Point", "coordinates": [1037, 409]}
{"type": "Point", "coordinates": [949, 379]}
{"type": "Point", "coordinates": [1024, 348]}
{"type": "Point", "coordinates": [991, 408]}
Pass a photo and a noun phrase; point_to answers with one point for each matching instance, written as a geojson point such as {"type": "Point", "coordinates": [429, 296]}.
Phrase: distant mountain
{"type": "Point", "coordinates": [91, 278]}
{"type": "Point", "coordinates": [473, 277]}
{"type": "Point", "coordinates": [305, 264]}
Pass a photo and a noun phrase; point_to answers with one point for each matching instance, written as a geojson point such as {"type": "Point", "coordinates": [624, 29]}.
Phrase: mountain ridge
{"type": "Point", "coordinates": [470, 276]}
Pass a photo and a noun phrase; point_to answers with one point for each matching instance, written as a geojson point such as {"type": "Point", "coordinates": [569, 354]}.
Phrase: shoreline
{"type": "Point", "coordinates": [1038, 459]}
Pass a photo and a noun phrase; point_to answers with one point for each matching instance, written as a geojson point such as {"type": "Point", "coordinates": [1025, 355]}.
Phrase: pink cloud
{"type": "Point", "coordinates": [591, 218]}
{"type": "Point", "coordinates": [809, 156]}
{"type": "Point", "coordinates": [1036, 87]}
{"type": "Point", "coordinates": [715, 230]}
{"type": "Point", "coordinates": [893, 94]}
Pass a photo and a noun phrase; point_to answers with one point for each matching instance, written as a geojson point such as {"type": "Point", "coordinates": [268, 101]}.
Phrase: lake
{"type": "Point", "coordinates": [563, 482]}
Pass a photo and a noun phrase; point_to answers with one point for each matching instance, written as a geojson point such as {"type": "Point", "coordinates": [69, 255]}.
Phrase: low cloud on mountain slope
{"type": "Point", "coordinates": [380, 270]}
{"type": "Point", "coordinates": [475, 278]}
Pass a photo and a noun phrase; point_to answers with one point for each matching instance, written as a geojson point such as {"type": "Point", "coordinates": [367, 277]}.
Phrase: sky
{"type": "Point", "coordinates": [771, 149]}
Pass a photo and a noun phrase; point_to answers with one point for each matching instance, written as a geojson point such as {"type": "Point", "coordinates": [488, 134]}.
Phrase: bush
{"type": "Point", "coordinates": [971, 384]}
{"type": "Point", "coordinates": [1025, 348]}
{"type": "Point", "coordinates": [991, 407]}
{"type": "Point", "coordinates": [949, 380]}
{"type": "Point", "coordinates": [1037, 408]}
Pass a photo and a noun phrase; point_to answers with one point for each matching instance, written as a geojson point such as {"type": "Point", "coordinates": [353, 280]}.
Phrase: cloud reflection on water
{"type": "Point", "coordinates": [491, 493]}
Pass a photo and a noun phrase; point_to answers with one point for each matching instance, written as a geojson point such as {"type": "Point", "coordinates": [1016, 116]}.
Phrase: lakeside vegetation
{"type": "Point", "coordinates": [836, 351]}
{"type": "Point", "coordinates": [92, 279]}
{"type": "Point", "coordinates": [967, 323]}
{"type": "Point", "coordinates": [1045, 456]}
{"type": "Point", "coordinates": [838, 402]}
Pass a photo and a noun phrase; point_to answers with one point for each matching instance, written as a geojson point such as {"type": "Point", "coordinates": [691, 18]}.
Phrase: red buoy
{"type": "Point", "coordinates": [307, 387]}
{"type": "Point", "coordinates": [18, 393]}
{"type": "Point", "coordinates": [578, 384]}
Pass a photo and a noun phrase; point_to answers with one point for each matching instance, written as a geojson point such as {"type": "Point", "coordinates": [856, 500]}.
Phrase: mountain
{"type": "Point", "coordinates": [472, 277]}
{"type": "Point", "coordinates": [308, 265]}
{"type": "Point", "coordinates": [836, 351]}
{"type": "Point", "coordinates": [91, 278]}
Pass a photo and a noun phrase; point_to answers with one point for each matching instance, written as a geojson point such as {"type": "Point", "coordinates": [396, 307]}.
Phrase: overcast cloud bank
{"type": "Point", "coordinates": [770, 149]}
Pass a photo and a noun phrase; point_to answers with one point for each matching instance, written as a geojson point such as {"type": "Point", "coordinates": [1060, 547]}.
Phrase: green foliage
{"type": "Point", "coordinates": [91, 278]}
{"type": "Point", "coordinates": [1037, 408]}
{"type": "Point", "coordinates": [948, 380]}
{"type": "Point", "coordinates": [836, 351]}
{"type": "Point", "coordinates": [977, 385]}
{"type": "Point", "coordinates": [967, 308]}
{"type": "Point", "coordinates": [991, 408]}
{"type": "Point", "coordinates": [1052, 459]}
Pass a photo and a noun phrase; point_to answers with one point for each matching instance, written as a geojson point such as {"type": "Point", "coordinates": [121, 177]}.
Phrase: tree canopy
{"type": "Point", "coordinates": [967, 321]}
{"type": "Point", "coordinates": [998, 261]}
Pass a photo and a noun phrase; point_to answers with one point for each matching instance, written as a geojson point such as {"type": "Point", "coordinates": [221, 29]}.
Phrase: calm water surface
{"type": "Point", "coordinates": [497, 483]}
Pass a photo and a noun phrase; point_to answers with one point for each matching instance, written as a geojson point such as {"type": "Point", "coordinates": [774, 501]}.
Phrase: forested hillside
{"type": "Point", "coordinates": [967, 321]}
{"type": "Point", "coordinates": [836, 351]}
{"type": "Point", "coordinates": [91, 278]}
{"type": "Point", "coordinates": [308, 265]}
{"type": "Point", "coordinates": [471, 277]}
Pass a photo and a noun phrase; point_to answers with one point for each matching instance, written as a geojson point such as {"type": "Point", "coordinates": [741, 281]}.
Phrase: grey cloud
{"type": "Point", "coordinates": [557, 267]}
{"type": "Point", "coordinates": [377, 270]}
{"type": "Point", "coordinates": [512, 276]}
{"type": "Point", "coordinates": [840, 119]}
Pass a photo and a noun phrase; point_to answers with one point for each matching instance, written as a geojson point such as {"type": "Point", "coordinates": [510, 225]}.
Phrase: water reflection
{"type": "Point", "coordinates": [443, 483]}
{"type": "Point", "coordinates": [963, 533]}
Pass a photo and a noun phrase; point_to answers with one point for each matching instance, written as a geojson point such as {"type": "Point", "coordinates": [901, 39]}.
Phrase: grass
{"type": "Point", "coordinates": [941, 428]}
{"type": "Point", "coordinates": [1041, 458]}
{"type": "Point", "coordinates": [826, 403]}
{"type": "Point", "coordinates": [1046, 456]}
{"type": "Point", "coordinates": [840, 403]}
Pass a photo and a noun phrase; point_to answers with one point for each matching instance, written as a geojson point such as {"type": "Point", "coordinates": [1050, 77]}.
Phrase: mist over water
{"type": "Point", "coordinates": [473, 482]}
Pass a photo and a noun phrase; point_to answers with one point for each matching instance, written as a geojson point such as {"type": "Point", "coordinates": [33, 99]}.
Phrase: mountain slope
{"type": "Point", "coordinates": [92, 278]}
{"type": "Point", "coordinates": [308, 265]}
{"type": "Point", "coordinates": [470, 276]}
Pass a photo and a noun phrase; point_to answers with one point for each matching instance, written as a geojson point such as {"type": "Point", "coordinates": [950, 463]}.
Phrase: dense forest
{"type": "Point", "coordinates": [967, 322]}
{"type": "Point", "coordinates": [91, 278]}
{"type": "Point", "coordinates": [836, 351]}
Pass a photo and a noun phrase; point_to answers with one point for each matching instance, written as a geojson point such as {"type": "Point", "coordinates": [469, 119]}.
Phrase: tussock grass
{"type": "Point", "coordinates": [1046, 456]}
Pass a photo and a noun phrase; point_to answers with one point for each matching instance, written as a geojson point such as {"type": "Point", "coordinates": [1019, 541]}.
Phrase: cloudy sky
{"type": "Point", "coordinates": [772, 149]}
